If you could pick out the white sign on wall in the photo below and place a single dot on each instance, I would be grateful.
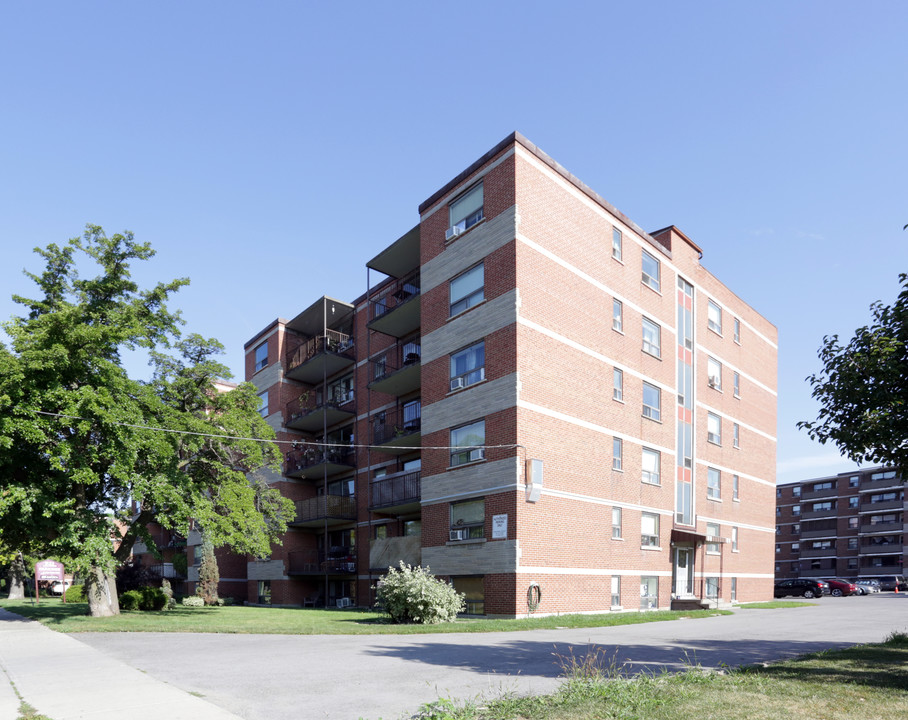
(499, 527)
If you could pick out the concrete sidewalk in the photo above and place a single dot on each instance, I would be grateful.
(65, 679)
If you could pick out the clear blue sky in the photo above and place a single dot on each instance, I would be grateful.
(268, 150)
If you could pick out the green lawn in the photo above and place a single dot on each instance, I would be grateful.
(866, 681)
(73, 618)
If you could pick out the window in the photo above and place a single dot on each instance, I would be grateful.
(713, 484)
(473, 590)
(618, 383)
(650, 271)
(712, 588)
(652, 402)
(852, 543)
(852, 563)
(822, 486)
(465, 211)
(714, 373)
(778, 549)
(714, 428)
(796, 529)
(617, 448)
(712, 531)
(381, 532)
(412, 528)
(734, 589)
(736, 436)
(714, 317)
(796, 547)
(853, 502)
(467, 289)
(852, 523)
(651, 466)
(468, 366)
(735, 483)
(264, 592)
(263, 404)
(616, 591)
(616, 244)
(736, 379)
(737, 331)
(795, 509)
(617, 310)
(821, 545)
(796, 491)
(649, 593)
(853, 481)
(261, 356)
(616, 523)
(470, 437)
(468, 519)
(649, 529)
(734, 540)
(652, 337)
(822, 506)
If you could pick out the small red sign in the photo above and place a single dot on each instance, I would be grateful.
(49, 570)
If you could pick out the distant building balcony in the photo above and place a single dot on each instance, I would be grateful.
(882, 527)
(818, 494)
(395, 494)
(397, 372)
(400, 430)
(397, 311)
(312, 412)
(337, 561)
(879, 505)
(311, 360)
(316, 463)
(324, 509)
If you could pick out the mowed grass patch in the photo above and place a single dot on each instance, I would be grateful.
(776, 604)
(74, 618)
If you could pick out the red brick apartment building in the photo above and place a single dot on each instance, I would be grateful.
(846, 525)
(545, 404)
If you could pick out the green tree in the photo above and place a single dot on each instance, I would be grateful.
(209, 577)
(77, 450)
(863, 389)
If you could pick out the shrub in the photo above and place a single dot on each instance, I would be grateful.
(193, 601)
(134, 576)
(152, 598)
(414, 595)
(76, 594)
(209, 577)
(130, 600)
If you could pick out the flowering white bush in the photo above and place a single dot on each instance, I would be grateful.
(193, 601)
(414, 595)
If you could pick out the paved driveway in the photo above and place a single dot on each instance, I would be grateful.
(261, 677)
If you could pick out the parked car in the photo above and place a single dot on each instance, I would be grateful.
(867, 586)
(804, 587)
(890, 582)
(839, 587)
(58, 588)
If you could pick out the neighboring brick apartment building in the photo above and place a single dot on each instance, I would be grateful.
(534, 397)
(846, 525)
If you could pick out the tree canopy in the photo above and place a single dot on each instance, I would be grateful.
(863, 389)
(83, 445)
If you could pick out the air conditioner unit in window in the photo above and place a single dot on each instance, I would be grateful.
(453, 231)
(458, 535)
(456, 383)
(713, 381)
(477, 454)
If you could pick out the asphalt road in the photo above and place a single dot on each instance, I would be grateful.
(261, 677)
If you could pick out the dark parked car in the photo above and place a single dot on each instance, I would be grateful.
(839, 587)
(891, 582)
(805, 587)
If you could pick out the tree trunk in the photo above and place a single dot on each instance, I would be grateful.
(17, 572)
(101, 591)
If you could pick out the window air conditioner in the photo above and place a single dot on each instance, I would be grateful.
(713, 381)
(477, 454)
(458, 535)
(453, 232)
(456, 383)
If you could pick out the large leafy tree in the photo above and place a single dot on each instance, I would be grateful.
(863, 389)
(83, 445)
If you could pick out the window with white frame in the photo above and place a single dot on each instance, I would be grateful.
(261, 356)
(853, 502)
(263, 403)
(852, 523)
(651, 271)
(465, 211)
(652, 337)
(649, 529)
(618, 385)
(713, 484)
(714, 428)
(734, 589)
(735, 488)
(737, 331)
(734, 539)
(651, 464)
(616, 523)
(467, 289)
(468, 519)
(712, 531)
(852, 543)
(714, 373)
(616, 244)
(736, 435)
(795, 509)
(617, 453)
(714, 317)
(737, 384)
(649, 592)
(652, 402)
(712, 588)
(468, 366)
(796, 547)
(616, 591)
(617, 315)
(471, 438)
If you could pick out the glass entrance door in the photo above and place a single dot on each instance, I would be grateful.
(683, 575)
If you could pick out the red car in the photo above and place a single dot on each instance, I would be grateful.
(841, 588)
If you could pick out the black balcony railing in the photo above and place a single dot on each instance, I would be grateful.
(398, 293)
(341, 507)
(337, 561)
(301, 460)
(395, 490)
(332, 342)
(388, 366)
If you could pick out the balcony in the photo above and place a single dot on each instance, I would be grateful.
(395, 494)
(867, 484)
(338, 561)
(311, 361)
(894, 568)
(890, 548)
(165, 570)
(317, 463)
(896, 504)
(894, 526)
(813, 514)
(819, 494)
(400, 431)
(399, 376)
(397, 311)
(311, 413)
(827, 533)
(818, 552)
(324, 509)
